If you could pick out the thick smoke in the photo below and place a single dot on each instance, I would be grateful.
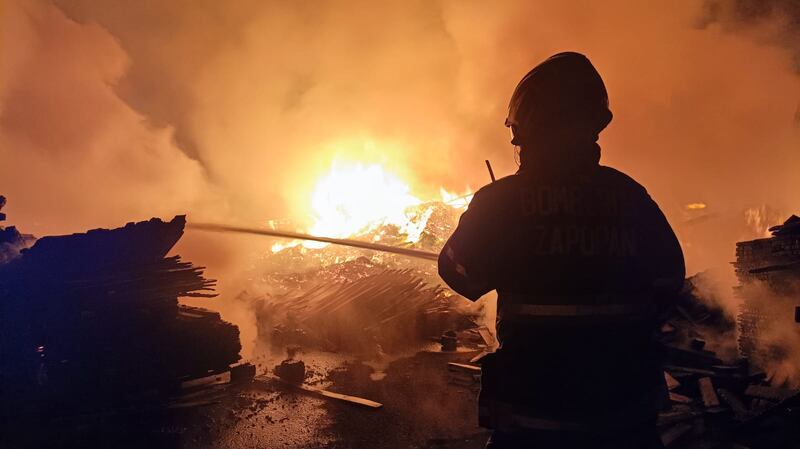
(74, 155)
(772, 21)
(776, 342)
(114, 111)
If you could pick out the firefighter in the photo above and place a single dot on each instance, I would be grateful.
(584, 264)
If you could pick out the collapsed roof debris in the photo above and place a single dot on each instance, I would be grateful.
(93, 319)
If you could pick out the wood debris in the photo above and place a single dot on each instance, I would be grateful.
(95, 317)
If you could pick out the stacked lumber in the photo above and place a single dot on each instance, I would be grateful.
(94, 318)
(768, 271)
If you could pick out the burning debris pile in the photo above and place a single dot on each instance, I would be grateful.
(93, 319)
(344, 299)
(769, 288)
(369, 309)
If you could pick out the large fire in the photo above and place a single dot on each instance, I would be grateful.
(353, 200)
(350, 200)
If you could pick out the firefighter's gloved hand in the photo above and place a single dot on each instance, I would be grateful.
(455, 274)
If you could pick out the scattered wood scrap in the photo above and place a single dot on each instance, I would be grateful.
(707, 392)
(679, 398)
(464, 375)
(323, 393)
(672, 383)
(464, 367)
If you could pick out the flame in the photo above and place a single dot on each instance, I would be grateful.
(459, 201)
(760, 219)
(355, 199)
(280, 246)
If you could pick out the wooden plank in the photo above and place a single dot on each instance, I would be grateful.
(672, 383)
(341, 397)
(679, 398)
(708, 393)
(214, 378)
(328, 394)
(488, 338)
(464, 367)
(687, 370)
(478, 357)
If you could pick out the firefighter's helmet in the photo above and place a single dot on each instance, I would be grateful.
(564, 90)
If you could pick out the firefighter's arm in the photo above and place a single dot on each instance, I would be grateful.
(668, 268)
(465, 260)
(453, 272)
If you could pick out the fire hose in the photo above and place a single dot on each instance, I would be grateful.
(416, 253)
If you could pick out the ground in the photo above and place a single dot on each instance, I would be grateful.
(421, 409)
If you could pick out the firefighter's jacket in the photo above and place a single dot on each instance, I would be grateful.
(584, 263)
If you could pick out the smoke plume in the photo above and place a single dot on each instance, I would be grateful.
(228, 111)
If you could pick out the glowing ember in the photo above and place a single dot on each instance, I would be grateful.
(696, 206)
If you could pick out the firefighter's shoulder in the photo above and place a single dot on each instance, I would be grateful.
(615, 179)
(497, 189)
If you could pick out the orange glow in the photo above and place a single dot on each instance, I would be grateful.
(356, 198)
(459, 201)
